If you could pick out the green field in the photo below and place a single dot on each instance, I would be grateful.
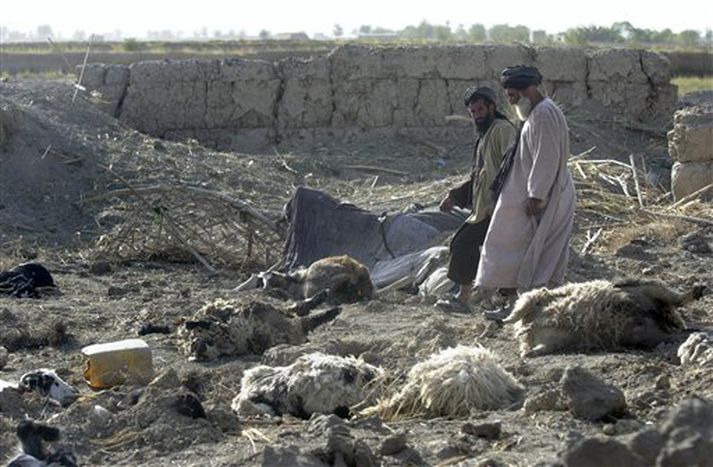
(689, 84)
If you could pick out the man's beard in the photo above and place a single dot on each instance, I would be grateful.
(484, 123)
(523, 108)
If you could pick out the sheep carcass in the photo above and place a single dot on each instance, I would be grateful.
(314, 383)
(598, 315)
(452, 383)
(227, 327)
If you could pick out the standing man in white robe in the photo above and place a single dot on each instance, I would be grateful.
(528, 239)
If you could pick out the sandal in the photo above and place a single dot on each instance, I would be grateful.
(498, 315)
(452, 305)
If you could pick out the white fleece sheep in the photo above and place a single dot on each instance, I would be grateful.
(597, 315)
(454, 382)
(314, 383)
(697, 349)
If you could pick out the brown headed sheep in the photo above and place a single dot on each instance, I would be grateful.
(342, 278)
(598, 315)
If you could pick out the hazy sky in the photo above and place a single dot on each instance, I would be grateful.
(135, 17)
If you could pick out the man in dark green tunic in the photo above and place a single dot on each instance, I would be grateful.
(494, 135)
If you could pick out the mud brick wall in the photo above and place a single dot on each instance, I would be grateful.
(249, 104)
(690, 145)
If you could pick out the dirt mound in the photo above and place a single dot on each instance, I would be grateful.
(64, 165)
(50, 149)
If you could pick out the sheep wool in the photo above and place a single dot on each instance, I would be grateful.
(314, 383)
(597, 315)
(453, 382)
(697, 349)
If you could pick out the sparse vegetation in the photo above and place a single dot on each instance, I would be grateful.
(689, 84)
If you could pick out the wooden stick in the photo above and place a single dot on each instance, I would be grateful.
(582, 154)
(170, 225)
(695, 220)
(690, 197)
(581, 172)
(233, 202)
(371, 168)
(591, 239)
(78, 86)
(604, 161)
(636, 180)
(404, 281)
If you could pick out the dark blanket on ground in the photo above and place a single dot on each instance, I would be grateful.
(321, 226)
(23, 280)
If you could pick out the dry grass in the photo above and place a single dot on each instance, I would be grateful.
(689, 84)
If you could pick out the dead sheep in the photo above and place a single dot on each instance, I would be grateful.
(227, 328)
(314, 383)
(341, 278)
(454, 382)
(32, 436)
(697, 349)
(598, 315)
(46, 383)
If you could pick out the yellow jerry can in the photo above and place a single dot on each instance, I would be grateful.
(122, 362)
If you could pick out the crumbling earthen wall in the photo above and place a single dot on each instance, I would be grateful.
(690, 145)
(247, 104)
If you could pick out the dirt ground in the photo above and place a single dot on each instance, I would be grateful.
(67, 207)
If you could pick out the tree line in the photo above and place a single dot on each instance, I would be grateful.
(619, 33)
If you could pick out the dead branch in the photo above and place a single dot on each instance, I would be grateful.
(371, 168)
(693, 196)
(636, 180)
(169, 222)
(694, 220)
(590, 240)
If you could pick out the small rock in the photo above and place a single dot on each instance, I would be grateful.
(590, 398)
(596, 452)
(663, 383)
(393, 444)
(4, 357)
(224, 419)
(99, 419)
(321, 424)
(633, 251)
(449, 450)
(488, 430)
(695, 242)
(627, 425)
(646, 444)
(372, 423)
(114, 291)
(100, 268)
(291, 455)
(489, 462)
(609, 429)
(547, 400)
(684, 437)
